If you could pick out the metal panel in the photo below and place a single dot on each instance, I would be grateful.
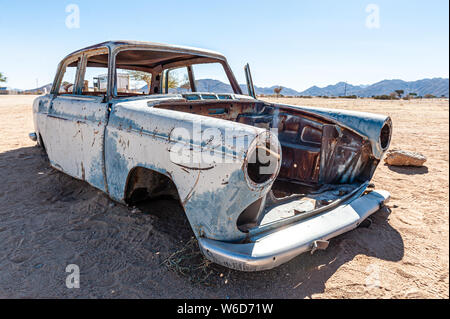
(282, 245)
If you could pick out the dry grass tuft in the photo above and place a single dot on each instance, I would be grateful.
(189, 262)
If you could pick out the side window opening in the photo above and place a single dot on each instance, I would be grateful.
(134, 74)
(67, 84)
(95, 81)
(176, 80)
(130, 82)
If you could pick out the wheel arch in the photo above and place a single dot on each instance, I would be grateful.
(145, 183)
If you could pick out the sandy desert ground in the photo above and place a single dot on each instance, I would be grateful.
(49, 220)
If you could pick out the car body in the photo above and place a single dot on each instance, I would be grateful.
(259, 182)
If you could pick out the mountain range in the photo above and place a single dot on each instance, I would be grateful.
(436, 86)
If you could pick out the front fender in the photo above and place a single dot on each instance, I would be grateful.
(213, 194)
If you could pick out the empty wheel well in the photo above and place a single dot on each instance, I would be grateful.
(144, 183)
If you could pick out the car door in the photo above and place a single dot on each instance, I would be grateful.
(76, 124)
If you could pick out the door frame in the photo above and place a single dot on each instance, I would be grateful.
(76, 94)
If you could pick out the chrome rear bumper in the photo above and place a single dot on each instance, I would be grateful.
(281, 245)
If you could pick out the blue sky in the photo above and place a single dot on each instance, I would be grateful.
(295, 44)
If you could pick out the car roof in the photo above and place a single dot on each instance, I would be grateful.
(127, 44)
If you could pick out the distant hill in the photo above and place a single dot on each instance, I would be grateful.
(269, 90)
(209, 85)
(44, 88)
(437, 87)
(338, 89)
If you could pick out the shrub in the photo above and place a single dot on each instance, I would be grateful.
(384, 97)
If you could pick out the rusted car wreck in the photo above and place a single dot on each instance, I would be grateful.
(260, 183)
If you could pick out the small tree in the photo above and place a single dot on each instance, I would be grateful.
(393, 95)
(66, 86)
(411, 95)
(173, 82)
(399, 93)
(2, 78)
(278, 90)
